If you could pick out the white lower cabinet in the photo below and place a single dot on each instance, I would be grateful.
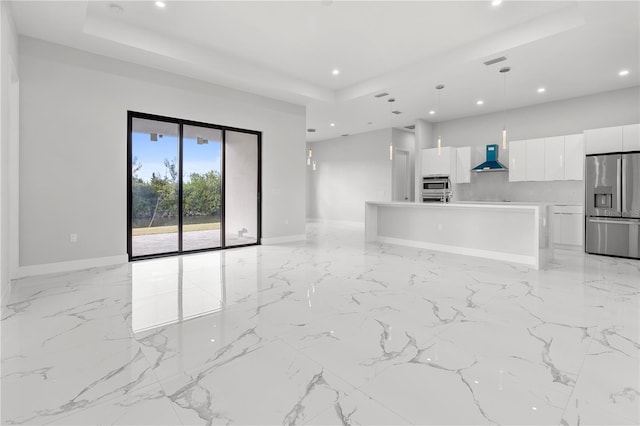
(568, 225)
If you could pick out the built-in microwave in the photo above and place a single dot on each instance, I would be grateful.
(436, 189)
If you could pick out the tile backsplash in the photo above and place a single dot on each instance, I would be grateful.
(495, 186)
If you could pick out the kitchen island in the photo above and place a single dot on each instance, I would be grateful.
(508, 232)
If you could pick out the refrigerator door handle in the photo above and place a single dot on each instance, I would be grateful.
(616, 222)
(624, 181)
(619, 186)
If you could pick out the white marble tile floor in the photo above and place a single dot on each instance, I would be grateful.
(331, 331)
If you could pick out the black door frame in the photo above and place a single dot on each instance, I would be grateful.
(181, 123)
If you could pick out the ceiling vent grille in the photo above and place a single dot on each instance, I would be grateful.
(381, 95)
(397, 112)
(495, 60)
(311, 130)
(412, 127)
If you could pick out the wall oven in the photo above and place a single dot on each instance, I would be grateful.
(436, 189)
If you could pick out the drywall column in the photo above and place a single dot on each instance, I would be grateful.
(8, 148)
(424, 140)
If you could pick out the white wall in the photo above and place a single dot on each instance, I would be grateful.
(241, 156)
(73, 148)
(8, 111)
(350, 170)
(549, 119)
(565, 117)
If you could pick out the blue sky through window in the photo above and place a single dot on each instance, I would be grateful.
(151, 154)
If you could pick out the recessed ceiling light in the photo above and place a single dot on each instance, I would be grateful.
(480, 102)
(335, 71)
(332, 124)
(623, 73)
(496, 2)
(432, 112)
(160, 4)
(541, 89)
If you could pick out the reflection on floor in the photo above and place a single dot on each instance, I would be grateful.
(331, 331)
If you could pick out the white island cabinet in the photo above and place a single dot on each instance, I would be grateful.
(510, 233)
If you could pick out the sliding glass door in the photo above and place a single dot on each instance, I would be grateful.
(201, 187)
(192, 186)
(154, 187)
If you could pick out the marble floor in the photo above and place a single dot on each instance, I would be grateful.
(326, 332)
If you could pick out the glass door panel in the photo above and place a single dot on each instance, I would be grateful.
(201, 187)
(154, 187)
(241, 188)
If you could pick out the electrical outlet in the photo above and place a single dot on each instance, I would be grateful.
(440, 227)
(286, 221)
(73, 238)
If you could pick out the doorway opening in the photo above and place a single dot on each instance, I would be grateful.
(191, 186)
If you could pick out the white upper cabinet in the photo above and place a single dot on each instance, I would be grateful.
(547, 159)
(600, 141)
(554, 158)
(438, 163)
(631, 137)
(573, 157)
(463, 164)
(535, 159)
(517, 161)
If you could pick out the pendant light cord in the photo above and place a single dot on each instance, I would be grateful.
(504, 103)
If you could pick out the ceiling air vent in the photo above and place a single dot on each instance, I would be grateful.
(397, 112)
(346, 134)
(311, 130)
(412, 127)
(381, 95)
(495, 60)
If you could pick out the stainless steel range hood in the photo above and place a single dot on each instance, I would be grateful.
(491, 164)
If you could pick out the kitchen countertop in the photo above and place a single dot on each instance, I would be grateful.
(459, 204)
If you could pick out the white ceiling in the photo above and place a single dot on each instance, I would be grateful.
(287, 50)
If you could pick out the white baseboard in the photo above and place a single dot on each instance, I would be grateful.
(530, 261)
(336, 222)
(6, 292)
(282, 240)
(74, 265)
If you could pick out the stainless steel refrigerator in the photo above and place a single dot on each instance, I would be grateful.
(612, 205)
